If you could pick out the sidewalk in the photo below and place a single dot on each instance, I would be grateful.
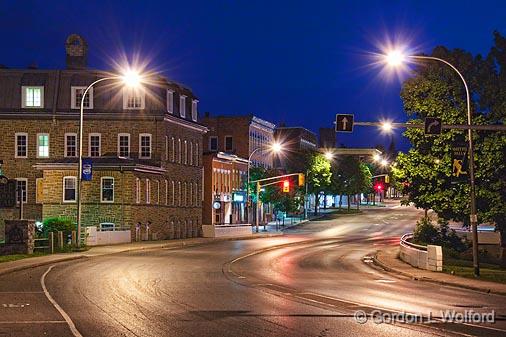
(273, 227)
(32, 262)
(388, 260)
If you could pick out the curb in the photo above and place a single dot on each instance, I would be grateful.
(162, 246)
(431, 280)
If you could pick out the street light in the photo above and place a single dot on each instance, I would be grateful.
(384, 162)
(328, 155)
(274, 148)
(386, 126)
(395, 58)
(376, 157)
(131, 79)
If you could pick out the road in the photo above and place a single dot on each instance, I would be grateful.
(310, 282)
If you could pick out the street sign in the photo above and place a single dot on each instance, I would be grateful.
(433, 126)
(344, 123)
(7, 192)
(459, 161)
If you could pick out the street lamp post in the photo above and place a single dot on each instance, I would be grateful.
(129, 78)
(276, 148)
(395, 58)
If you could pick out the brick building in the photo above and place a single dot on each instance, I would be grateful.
(239, 135)
(224, 189)
(296, 141)
(145, 146)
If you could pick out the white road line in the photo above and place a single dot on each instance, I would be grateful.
(62, 312)
(32, 322)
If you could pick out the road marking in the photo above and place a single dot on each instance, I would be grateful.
(62, 312)
(15, 305)
(32, 322)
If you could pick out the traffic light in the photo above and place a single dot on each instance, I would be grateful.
(286, 186)
(301, 179)
(378, 187)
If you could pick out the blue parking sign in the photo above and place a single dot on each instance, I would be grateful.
(87, 169)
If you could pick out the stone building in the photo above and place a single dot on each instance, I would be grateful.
(145, 146)
(224, 189)
(239, 135)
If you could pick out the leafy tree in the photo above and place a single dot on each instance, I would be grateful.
(436, 90)
(318, 175)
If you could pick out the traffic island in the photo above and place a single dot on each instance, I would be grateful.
(388, 259)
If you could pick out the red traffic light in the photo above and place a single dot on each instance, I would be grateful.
(378, 187)
(286, 186)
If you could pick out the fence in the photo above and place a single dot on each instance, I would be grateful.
(428, 257)
(55, 241)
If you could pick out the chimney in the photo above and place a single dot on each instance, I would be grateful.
(77, 52)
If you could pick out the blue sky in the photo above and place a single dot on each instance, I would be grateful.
(297, 62)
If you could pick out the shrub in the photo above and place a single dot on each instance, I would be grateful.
(57, 224)
(427, 233)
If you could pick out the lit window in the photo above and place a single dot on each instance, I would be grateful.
(107, 189)
(133, 98)
(137, 190)
(94, 144)
(77, 95)
(148, 191)
(194, 110)
(170, 101)
(43, 145)
(33, 97)
(21, 145)
(182, 106)
(213, 143)
(70, 145)
(21, 184)
(145, 146)
(69, 189)
(124, 145)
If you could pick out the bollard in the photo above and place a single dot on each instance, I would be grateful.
(51, 242)
(60, 240)
(73, 238)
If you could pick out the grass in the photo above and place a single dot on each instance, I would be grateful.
(464, 268)
(9, 258)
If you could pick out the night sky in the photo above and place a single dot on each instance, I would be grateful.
(296, 62)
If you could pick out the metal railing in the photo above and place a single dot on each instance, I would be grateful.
(406, 243)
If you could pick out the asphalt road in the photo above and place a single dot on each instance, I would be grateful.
(310, 282)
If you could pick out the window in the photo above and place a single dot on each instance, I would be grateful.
(172, 150)
(94, 145)
(170, 101)
(166, 192)
(194, 110)
(70, 145)
(137, 190)
(133, 98)
(182, 106)
(197, 154)
(213, 143)
(76, 96)
(21, 140)
(190, 201)
(166, 148)
(179, 150)
(69, 189)
(145, 146)
(42, 145)
(196, 194)
(229, 143)
(148, 191)
(32, 97)
(107, 189)
(124, 145)
(185, 152)
(157, 192)
(179, 193)
(22, 184)
(191, 153)
(173, 192)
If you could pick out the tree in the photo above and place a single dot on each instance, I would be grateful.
(318, 175)
(437, 91)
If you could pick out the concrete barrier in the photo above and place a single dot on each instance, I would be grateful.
(97, 238)
(424, 257)
(211, 231)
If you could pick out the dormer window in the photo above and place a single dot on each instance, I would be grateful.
(32, 97)
(133, 99)
(194, 110)
(170, 101)
(182, 106)
(77, 95)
